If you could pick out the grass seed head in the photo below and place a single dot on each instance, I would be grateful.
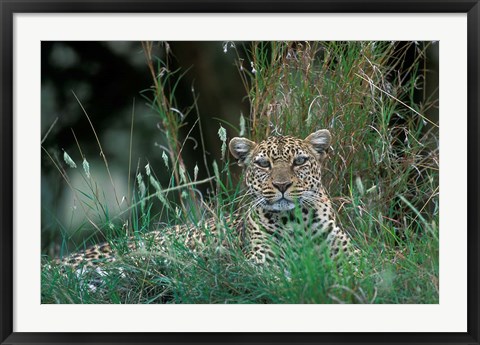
(86, 168)
(222, 133)
(69, 160)
(165, 159)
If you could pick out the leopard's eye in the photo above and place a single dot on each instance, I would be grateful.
(300, 160)
(263, 163)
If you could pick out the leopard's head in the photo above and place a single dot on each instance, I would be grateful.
(283, 171)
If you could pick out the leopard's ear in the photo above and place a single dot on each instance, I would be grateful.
(320, 142)
(241, 148)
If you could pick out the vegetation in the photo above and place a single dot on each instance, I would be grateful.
(381, 174)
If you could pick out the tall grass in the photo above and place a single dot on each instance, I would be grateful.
(381, 174)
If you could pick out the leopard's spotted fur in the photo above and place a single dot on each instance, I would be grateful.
(283, 179)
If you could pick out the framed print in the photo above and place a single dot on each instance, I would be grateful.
(246, 172)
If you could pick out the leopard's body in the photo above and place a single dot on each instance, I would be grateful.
(285, 192)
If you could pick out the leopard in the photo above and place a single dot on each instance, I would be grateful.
(283, 182)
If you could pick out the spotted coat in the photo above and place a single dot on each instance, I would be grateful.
(285, 192)
(283, 175)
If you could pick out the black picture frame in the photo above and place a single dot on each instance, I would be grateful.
(9, 8)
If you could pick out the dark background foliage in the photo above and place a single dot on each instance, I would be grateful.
(109, 79)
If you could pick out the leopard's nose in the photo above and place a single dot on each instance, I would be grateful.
(282, 186)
